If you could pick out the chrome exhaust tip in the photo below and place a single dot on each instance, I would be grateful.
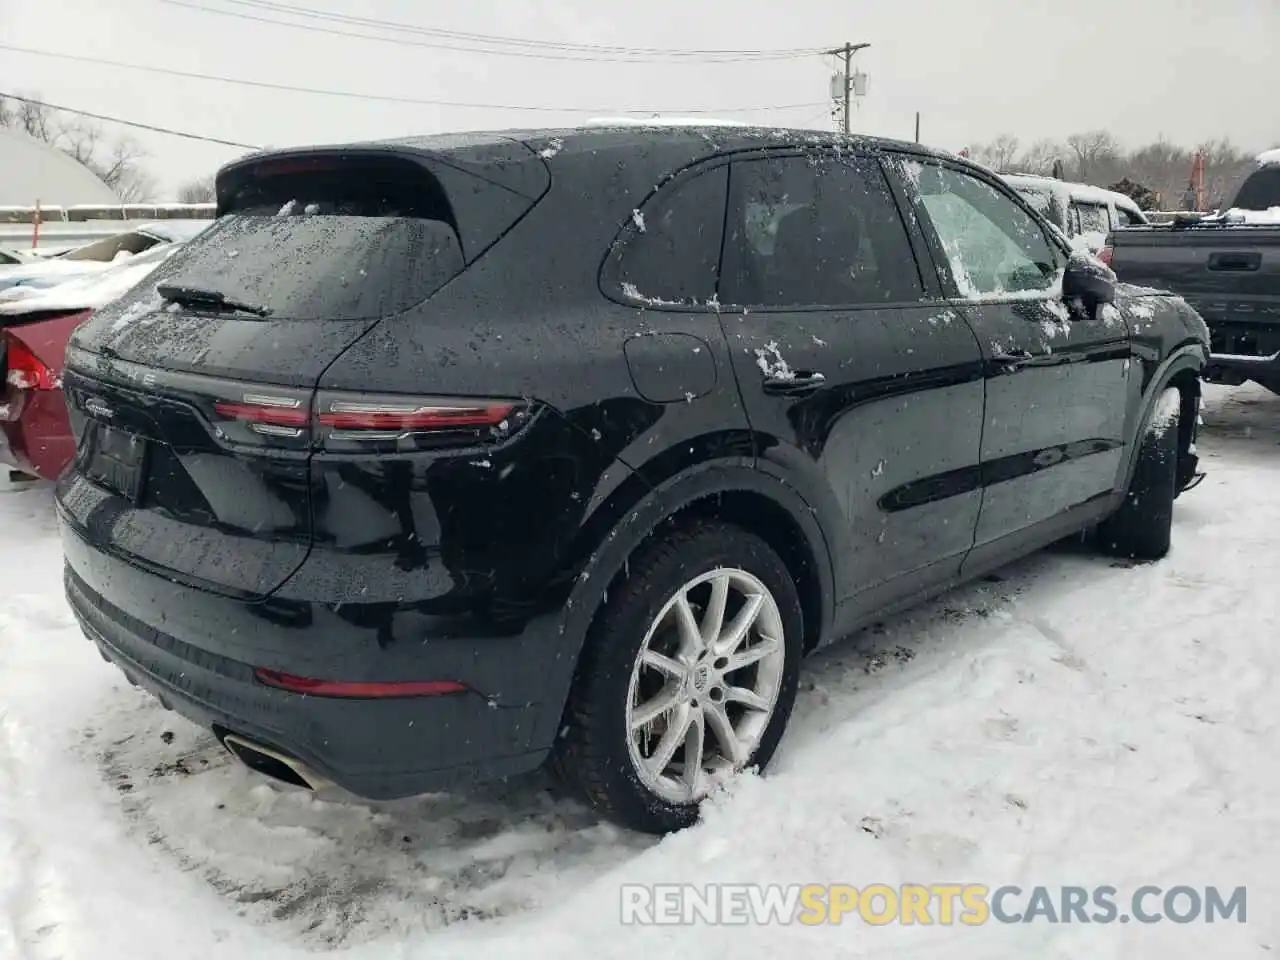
(274, 764)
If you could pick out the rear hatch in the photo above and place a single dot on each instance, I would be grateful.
(191, 397)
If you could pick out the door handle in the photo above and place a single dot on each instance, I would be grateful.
(800, 384)
(1236, 261)
(1011, 361)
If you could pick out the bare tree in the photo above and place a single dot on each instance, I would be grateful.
(1156, 174)
(1041, 156)
(116, 160)
(1096, 154)
(1000, 154)
(198, 191)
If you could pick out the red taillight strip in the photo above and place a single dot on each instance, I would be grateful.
(367, 418)
(370, 689)
(343, 415)
(278, 411)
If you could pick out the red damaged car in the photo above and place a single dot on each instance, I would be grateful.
(35, 324)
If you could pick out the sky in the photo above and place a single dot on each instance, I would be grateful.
(1188, 70)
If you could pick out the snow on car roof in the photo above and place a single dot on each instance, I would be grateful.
(1268, 157)
(665, 122)
(173, 231)
(1078, 191)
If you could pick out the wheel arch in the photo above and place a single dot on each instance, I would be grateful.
(731, 489)
(1181, 371)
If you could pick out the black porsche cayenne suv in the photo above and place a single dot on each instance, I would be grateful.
(438, 459)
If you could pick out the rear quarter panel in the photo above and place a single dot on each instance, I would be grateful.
(528, 319)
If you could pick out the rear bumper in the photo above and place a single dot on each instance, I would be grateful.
(1242, 344)
(158, 633)
(1236, 368)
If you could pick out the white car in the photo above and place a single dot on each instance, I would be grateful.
(96, 257)
(1083, 213)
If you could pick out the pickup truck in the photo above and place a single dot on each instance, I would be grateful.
(1226, 266)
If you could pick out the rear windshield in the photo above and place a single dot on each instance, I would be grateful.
(1261, 191)
(348, 240)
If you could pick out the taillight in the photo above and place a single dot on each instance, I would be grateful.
(350, 422)
(361, 415)
(361, 422)
(1106, 255)
(258, 418)
(26, 371)
(261, 411)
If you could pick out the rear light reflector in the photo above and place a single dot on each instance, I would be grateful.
(1106, 255)
(26, 370)
(368, 689)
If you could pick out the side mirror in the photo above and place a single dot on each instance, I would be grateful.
(1090, 281)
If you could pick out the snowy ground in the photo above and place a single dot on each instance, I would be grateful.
(1074, 722)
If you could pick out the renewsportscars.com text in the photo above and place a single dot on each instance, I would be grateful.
(968, 904)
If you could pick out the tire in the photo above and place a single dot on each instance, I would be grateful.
(598, 758)
(1142, 528)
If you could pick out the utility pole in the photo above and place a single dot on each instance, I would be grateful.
(846, 54)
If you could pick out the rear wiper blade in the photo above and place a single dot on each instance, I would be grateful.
(200, 297)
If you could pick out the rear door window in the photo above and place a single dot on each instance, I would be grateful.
(670, 251)
(344, 241)
(1127, 218)
(1093, 218)
(816, 230)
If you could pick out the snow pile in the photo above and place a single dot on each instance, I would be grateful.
(1268, 157)
(1268, 217)
(1070, 721)
(772, 365)
(139, 309)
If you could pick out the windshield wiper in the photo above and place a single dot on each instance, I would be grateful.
(200, 297)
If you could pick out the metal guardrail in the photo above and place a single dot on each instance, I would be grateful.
(117, 212)
(63, 227)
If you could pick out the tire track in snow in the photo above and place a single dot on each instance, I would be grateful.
(336, 872)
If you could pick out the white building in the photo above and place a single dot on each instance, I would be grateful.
(33, 172)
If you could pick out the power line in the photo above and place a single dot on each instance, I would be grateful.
(275, 6)
(128, 123)
(626, 55)
(387, 98)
